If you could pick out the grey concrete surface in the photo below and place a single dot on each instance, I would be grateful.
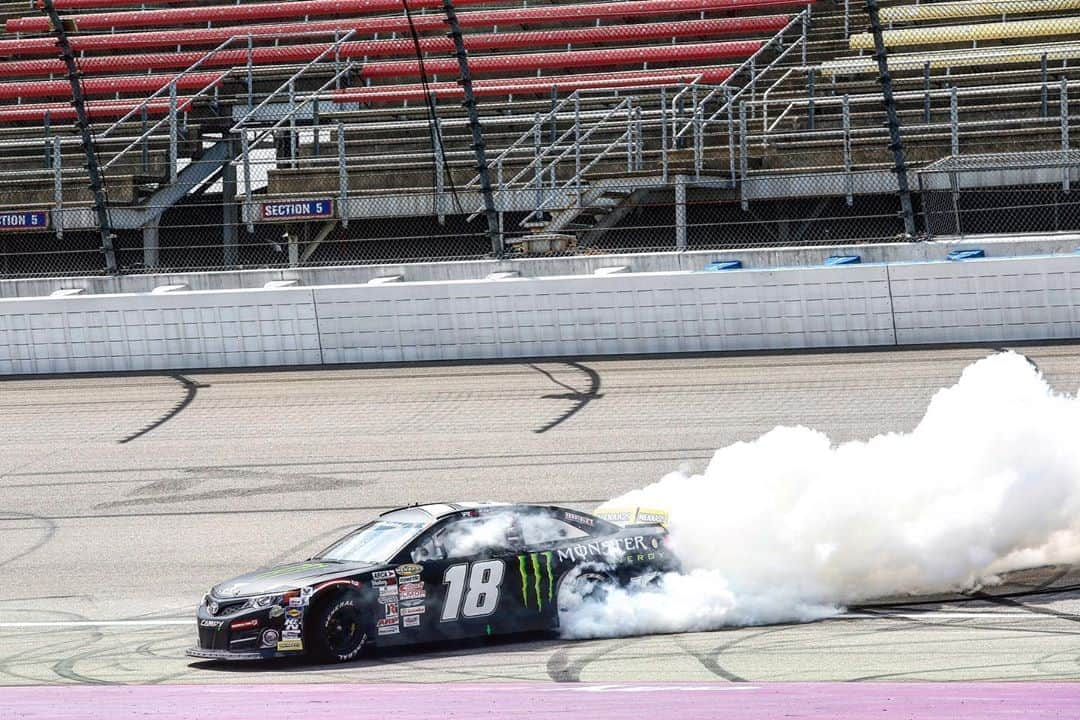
(122, 499)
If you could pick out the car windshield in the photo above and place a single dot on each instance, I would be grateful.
(376, 542)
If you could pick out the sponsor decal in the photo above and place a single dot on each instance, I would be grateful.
(412, 591)
(297, 209)
(383, 574)
(292, 623)
(577, 519)
(411, 621)
(244, 624)
(213, 607)
(293, 612)
(412, 602)
(306, 592)
(602, 548)
(406, 579)
(391, 609)
(390, 591)
(32, 220)
(229, 591)
(386, 622)
(409, 570)
(619, 517)
(290, 634)
(277, 611)
(296, 602)
(378, 583)
(211, 623)
(290, 645)
(414, 610)
(534, 568)
(389, 630)
(648, 515)
(270, 637)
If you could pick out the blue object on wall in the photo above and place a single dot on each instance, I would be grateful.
(717, 265)
(965, 254)
(843, 260)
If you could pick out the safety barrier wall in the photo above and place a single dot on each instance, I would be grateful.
(788, 308)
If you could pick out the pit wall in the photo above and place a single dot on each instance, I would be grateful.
(904, 303)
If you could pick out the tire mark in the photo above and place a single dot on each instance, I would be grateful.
(579, 398)
(710, 660)
(49, 527)
(562, 668)
(191, 388)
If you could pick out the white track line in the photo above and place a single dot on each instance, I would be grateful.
(92, 623)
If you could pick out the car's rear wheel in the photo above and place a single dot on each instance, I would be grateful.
(582, 586)
(339, 631)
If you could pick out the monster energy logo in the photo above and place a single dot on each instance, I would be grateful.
(536, 565)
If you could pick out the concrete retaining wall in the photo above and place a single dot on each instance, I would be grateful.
(847, 306)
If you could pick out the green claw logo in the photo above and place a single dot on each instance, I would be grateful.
(531, 565)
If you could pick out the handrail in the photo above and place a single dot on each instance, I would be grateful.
(542, 169)
(335, 46)
(145, 103)
(170, 118)
(297, 106)
(750, 62)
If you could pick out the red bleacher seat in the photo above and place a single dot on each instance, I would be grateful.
(255, 12)
(533, 86)
(215, 36)
(129, 84)
(96, 109)
(291, 54)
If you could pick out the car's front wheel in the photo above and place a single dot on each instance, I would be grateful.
(339, 631)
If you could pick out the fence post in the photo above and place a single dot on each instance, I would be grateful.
(663, 136)
(680, 213)
(245, 151)
(810, 98)
(58, 187)
(1065, 180)
(1045, 98)
(440, 170)
(848, 181)
(174, 151)
(577, 150)
(343, 178)
(954, 120)
(538, 176)
(730, 134)
(926, 92)
(744, 162)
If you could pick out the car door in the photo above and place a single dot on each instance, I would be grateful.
(467, 565)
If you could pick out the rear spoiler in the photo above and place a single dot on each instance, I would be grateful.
(626, 516)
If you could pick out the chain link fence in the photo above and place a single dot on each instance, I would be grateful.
(241, 158)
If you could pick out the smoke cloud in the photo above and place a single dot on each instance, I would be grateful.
(792, 527)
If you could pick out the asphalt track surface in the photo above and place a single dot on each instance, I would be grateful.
(122, 499)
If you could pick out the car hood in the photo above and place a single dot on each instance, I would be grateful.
(288, 577)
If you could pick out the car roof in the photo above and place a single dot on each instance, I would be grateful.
(430, 513)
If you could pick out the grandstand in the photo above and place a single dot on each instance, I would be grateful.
(311, 132)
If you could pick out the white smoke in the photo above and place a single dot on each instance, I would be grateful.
(790, 527)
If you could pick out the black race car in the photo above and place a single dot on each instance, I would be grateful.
(431, 572)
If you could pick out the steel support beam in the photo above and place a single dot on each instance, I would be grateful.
(82, 122)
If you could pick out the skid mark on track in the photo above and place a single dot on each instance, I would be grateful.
(580, 398)
(191, 388)
(561, 667)
(47, 527)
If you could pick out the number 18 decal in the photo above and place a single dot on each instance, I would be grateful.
(472, 590)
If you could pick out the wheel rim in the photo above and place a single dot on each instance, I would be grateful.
(343, 630)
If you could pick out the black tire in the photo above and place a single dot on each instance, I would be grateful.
(339, 629)
(584, 584)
